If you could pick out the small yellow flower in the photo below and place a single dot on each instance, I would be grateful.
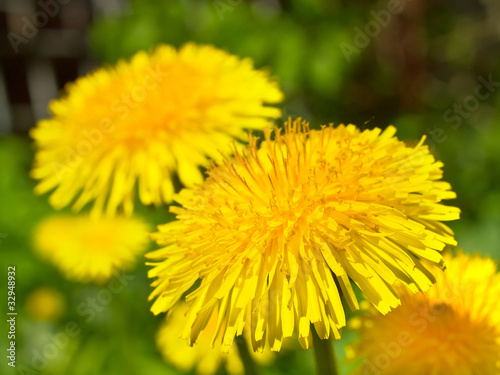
(454, 329)
(46, 304)
(135, 125)
(204, 357)
(275, 230)
(91, 249)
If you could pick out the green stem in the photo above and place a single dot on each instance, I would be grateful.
(248, 362)
(324, 355)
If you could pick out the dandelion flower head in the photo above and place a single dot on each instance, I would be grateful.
(452, 329)
(136, 125)
(275, 229)
(91, 249)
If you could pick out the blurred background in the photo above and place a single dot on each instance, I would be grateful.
(428, 67)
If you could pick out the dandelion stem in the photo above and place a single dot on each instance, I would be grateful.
(324, 355)
(248, 362)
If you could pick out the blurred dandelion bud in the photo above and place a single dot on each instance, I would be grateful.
(45, 304)
(204, 357)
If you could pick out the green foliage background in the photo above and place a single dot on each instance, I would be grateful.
(422, 63)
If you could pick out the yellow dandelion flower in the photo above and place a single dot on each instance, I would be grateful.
(135, 125)
(202, 357)
(274, 230)
(46, 304)
(453, 329)
(91, 249)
